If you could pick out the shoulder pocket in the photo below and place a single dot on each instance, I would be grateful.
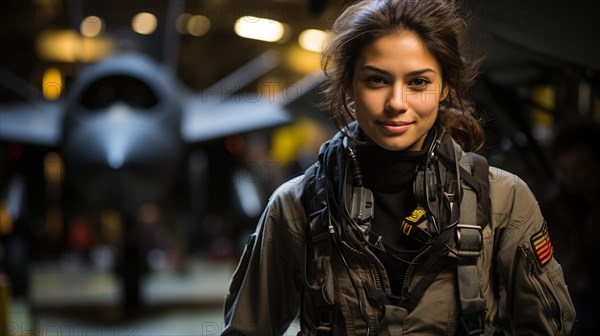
(558, 286)
(551, 290)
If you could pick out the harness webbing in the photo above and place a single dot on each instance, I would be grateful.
(469, 243)
(473, 170)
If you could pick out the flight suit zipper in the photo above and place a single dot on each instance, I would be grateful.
(410, 269)
(374, 270)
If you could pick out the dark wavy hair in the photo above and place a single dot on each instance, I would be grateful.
(438, 24)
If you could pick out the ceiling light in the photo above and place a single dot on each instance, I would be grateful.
(181, 23)
(69, 46)
(144, 23)
(198, 25)
(312, 39)
(91, 26)
(52, 84)
(262, 29)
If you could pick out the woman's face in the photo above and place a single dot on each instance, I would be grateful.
(396, 87)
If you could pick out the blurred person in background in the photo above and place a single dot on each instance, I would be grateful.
(573, 216)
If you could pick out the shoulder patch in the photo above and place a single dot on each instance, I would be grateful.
(541, 245)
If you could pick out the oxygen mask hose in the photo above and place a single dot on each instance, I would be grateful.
(363, 203)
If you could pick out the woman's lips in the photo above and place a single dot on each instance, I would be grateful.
(394, 127)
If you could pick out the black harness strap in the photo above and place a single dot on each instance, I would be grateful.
(318, 271)
(473, 172)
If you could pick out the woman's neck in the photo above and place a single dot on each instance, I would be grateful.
(386, 170)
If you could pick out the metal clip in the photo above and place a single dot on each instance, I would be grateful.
(469, 240)
(362, 205)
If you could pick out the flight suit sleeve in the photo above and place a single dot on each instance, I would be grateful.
(263, 293)
(538, 301)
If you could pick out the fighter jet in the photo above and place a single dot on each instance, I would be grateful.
(128, 114)
(126, 127)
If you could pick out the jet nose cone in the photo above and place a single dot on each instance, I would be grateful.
(122, 158)
(115, 160)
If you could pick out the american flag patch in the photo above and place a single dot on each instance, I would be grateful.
(540, 242)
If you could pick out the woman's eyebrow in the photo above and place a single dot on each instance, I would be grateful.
(375, 69)
(412, 73)
(420, 72)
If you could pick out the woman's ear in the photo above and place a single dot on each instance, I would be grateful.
(444, 92)
(350, 91)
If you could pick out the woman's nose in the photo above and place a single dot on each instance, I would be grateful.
(397, 102)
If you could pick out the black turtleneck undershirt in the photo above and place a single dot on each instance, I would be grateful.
(390, 175)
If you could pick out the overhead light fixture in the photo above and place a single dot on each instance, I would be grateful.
(195, 25)
(144, 23)
(257, 28)
(69, 46)
(61, 45)
(312, 39)
(198, 25)
(181, 23)
(52, 84)
(91, 26)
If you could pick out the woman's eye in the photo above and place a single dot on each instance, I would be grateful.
(419, 82)
(375, 80)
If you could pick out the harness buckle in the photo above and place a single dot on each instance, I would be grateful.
(469, 240)
(473, 324)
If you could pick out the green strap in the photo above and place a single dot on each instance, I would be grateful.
(469, 243)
